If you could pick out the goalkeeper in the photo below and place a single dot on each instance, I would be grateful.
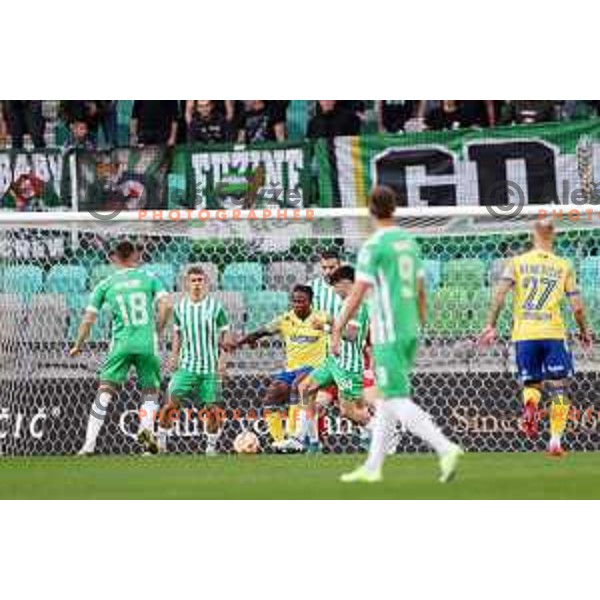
(129, 293)
(540, 280)
(305, 332)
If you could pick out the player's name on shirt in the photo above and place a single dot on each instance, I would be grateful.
(539, 269)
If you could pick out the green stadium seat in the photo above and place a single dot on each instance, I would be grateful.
(165, 272)
(433, 274)
(465, 273)
(67, 279)
(450, 313)
(262, 307)
(589, 274)
(25, 281)
(100, 330)
(242, 277)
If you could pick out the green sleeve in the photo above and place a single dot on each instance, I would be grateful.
(366, 266)
(97, 297)
(221, 319)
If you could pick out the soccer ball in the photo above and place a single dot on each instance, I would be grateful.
(246, 443)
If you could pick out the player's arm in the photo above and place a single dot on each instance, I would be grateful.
(175, 348)
(164, 313)
(253, 337)
(421, 300)
(506, 284)
(576, 302)
(89, 318)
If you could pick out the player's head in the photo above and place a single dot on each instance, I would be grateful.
(125, 254)
(329, 261)
(543, 233)
(195, 280)
(302, 296)
(342, 280)
(382, 202)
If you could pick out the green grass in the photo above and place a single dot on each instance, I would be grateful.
(482, 476)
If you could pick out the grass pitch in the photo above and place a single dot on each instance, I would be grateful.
(481, 476)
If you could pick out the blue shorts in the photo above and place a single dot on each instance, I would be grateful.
(538, 360)
(288, 377)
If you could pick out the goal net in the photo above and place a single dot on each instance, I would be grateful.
(50, 262)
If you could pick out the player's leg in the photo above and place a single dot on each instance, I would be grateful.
(213, 423)
(529, 359)
(112, 375)
(308, 433)
(393, 364)
(148, 371)
(181, 386)
(558, 367)
(276, 398)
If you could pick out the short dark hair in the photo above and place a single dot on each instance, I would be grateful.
(303, 289)
(123, 250)
(345, 272)
(382, 202)
(329, 254)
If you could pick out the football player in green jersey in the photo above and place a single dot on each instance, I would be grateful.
(200, 344)
(130, 294)
(389, 266)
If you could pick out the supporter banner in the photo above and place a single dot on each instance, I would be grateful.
(32, 180)
(124, 178)
(234, 176)
(531, 164)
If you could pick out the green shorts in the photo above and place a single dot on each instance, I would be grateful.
(197, 387)
(349, 384)
(118, 362)
(393, 366)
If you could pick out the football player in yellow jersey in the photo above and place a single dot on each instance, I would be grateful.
(304, 332)
(540, 280)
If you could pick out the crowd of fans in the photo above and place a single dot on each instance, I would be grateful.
(90, 123)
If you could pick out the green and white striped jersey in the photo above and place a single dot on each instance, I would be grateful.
(199, 325)
(325, 298)
(390, 261)
(351, 352)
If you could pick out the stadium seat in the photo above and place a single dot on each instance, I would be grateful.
(100, 330)
(450, 313)
(589, 272)
(12, 316)
(433, 274)
(242, 277)
(47, 318)
(465, 273)
(282, 276)
(99, 273)
(233, 303)
(262, 307)
(67, 279)
(24, 281)
(164, 271)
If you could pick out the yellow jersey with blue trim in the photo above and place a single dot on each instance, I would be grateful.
(541, 280)
(305, 339)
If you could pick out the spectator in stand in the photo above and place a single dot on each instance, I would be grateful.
(3, 131)
(454, 114)
(205, 124)
(81, 118)
(333, 120)
(107, 121)
(262, 121)
(154, 122)
(522, 112)
(25, 116)
(392, 115)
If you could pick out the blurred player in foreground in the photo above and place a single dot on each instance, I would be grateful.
(304, 331)
(130, 294)
(540, 280)
(200, 335)
(389, 266)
